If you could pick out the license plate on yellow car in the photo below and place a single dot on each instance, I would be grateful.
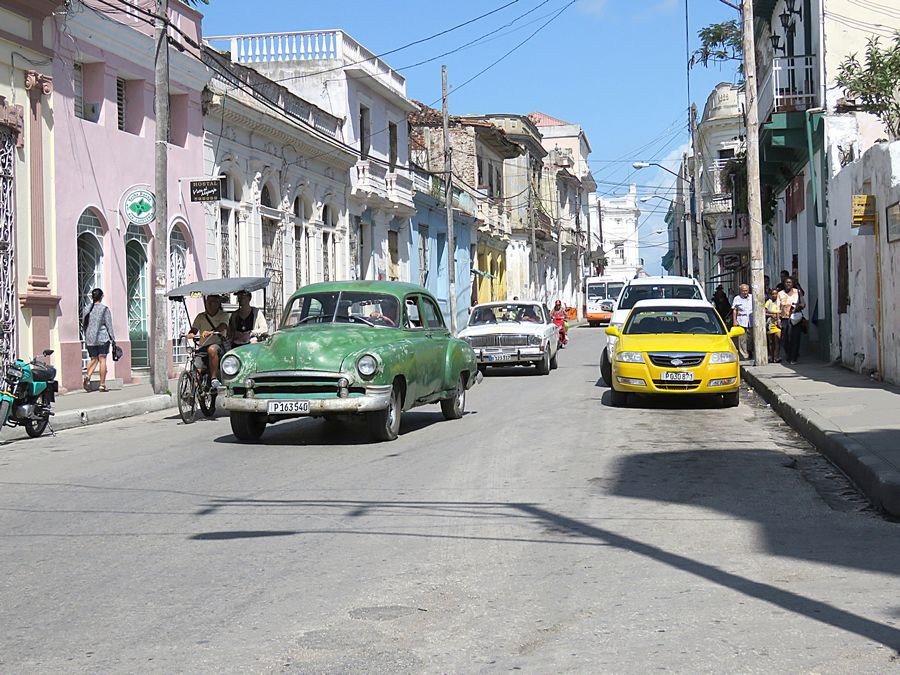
(288, 407)
(677, 376)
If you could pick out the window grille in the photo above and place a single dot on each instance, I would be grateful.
(120, 103)
(78, 70)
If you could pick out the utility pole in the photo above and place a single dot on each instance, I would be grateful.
(754, 202)
(533, 256)
(559, 238)
(698, 220)
(688, 236)
(159, 373)
(448, 199)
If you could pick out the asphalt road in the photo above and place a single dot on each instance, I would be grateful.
(544, 532)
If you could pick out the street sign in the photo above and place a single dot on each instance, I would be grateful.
(139, 205)
(863, 211)
(206, 190)
(731, 261)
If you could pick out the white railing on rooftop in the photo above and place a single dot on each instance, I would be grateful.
(789, 85)
(323, 45)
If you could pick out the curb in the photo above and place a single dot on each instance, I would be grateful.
(82, 417)
(877, 479)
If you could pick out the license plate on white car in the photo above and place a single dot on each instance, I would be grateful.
(500, 357)
(677, 376)
(288, 407)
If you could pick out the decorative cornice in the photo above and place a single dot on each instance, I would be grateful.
(35, 81)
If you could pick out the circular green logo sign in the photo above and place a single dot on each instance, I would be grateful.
(139, 206)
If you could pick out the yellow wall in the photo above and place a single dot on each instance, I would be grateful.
(493, 261)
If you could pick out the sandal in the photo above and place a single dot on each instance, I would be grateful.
(102, 387)
(86, 383)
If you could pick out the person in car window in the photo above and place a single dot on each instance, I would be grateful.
(530, 314)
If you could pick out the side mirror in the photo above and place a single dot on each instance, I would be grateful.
(614, 331)
(737, 331)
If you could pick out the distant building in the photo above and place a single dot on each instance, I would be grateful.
(621, 238)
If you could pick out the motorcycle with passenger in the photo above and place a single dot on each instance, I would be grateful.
(559, 320)
(27, 394)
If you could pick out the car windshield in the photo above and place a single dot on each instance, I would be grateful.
(511, 312)
(603, 290)
(359, 307)
(635, 292)
(675, 320)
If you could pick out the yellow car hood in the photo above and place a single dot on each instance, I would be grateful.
(675, 343)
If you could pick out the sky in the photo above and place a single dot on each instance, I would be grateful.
(617, 67)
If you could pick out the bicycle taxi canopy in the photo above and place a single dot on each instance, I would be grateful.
(198, 289)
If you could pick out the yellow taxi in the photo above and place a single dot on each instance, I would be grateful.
(675, 347)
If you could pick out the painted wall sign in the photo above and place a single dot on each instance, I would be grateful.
(206, 190)
(893, 222)
(139, 205)
(863, 210)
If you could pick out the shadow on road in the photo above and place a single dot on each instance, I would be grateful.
(550, 527)
(663, 401)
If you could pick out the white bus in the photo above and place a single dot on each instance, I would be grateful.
(600, 296)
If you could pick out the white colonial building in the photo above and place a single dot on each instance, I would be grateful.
(340, 76)
(283, 211)
(619, 217)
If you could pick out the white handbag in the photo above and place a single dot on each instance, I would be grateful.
(796, 318)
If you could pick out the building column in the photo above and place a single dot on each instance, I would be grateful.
(37, 297)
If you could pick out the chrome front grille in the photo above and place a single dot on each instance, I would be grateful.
(687, 359)
(668, 385)
(500, 340)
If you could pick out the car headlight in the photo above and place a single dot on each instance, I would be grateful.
(606, 306)
(367, 365)
(722, 357)
(231, 364)
(535, 340)
(630, 357)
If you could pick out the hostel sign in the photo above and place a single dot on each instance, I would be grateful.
(863, 210)
(206, 190)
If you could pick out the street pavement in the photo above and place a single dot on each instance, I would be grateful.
(544, 532)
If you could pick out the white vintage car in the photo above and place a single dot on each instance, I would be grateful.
(513, 333)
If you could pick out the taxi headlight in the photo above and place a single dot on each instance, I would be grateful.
(722, 357)
(630, 357)
(231, 364)
(367, 365)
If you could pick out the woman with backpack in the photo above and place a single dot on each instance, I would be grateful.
(96, 327)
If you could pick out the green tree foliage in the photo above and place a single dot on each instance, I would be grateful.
(875, 83)
(719, 43)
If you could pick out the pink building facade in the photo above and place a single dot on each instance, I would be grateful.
(104, 155)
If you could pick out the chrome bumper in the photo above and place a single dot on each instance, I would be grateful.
(509, 355)
(376, 398)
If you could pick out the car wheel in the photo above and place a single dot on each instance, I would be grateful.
(731, 399)
(554, 360)
(543, 366)
(454, 408)
(606, 369)
(384, 425)
(247, 426)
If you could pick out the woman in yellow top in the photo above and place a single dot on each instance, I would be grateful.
(773, 325)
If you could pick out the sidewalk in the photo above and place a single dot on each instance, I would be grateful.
(852, 419)
(81, 408)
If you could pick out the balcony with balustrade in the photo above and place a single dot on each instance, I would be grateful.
(330, 48)
(788, 90)
(715, 188)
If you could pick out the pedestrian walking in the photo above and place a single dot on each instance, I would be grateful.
(790, 306)
(723, 307)
(97, 329)
(742, 315)
(773, 326)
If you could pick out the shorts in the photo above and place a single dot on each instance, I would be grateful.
(98, 350)
(219, 348)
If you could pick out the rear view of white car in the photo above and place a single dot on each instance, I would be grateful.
(646, 288)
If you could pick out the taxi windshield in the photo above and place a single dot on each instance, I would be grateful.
(511, 312)
(371, 309)
(674, 321)
(635, 292)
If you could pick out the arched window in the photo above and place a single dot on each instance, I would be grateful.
(137, 295)
(265, 197)
(301, 263)
(229, 250)
(89, 244)
(178, 258)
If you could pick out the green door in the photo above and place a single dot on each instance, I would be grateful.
(438, 339)
(138, 309)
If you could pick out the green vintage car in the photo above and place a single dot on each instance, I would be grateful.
(374, 348)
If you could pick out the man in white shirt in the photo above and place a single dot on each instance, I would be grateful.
(742, 315)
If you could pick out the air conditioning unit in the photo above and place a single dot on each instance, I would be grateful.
(92, 112)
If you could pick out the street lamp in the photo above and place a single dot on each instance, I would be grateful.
(688, 244)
